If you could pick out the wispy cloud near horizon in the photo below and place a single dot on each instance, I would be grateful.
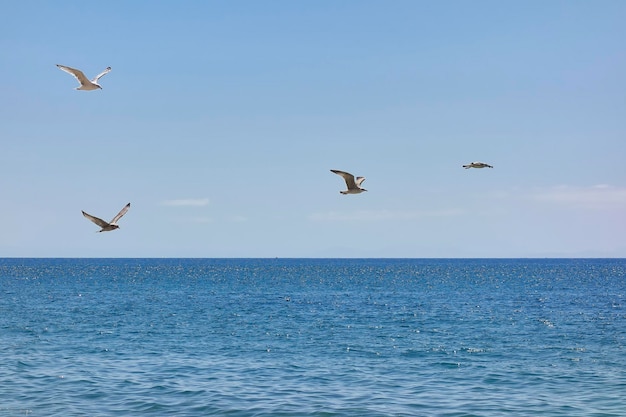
(381, 215)
(186, 202)
(601, 196)
(193, 220)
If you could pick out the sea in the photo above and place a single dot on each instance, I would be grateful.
(313, 337)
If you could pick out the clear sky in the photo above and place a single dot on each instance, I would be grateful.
(221, 120)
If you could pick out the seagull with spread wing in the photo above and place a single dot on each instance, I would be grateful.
(353, 184)
(85, 84)
(477, 165)
(112, 225)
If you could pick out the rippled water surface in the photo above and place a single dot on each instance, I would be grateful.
(306, 337)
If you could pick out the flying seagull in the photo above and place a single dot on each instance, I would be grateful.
(85, 84)
(354, 185)
(477, 165)
(112, 225)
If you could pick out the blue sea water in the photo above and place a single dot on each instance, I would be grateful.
(313, 337)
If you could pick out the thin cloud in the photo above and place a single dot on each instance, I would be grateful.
(188, 202)
(238, 219)
(382, 215)
(201, 220)
(599, 196)
(195, 220)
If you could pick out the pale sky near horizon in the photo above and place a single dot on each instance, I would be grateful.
(220, 122)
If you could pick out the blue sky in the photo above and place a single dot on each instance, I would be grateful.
(220, 122)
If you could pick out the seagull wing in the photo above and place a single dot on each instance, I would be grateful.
(96, 220)
(359, 180)
(78, 74)
(105, 72)
(120, 214)
(349, 178)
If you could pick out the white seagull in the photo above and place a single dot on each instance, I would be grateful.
(354, 185)
(112, 225)
(85, 84)
(477, 165)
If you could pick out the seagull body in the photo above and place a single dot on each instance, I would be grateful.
(85, 84)
(477, 165)
(353, 184)
(112, 225)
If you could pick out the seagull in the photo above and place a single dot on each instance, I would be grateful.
(354, 185)
(112, 225)
(477, 165)
(85, 84)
